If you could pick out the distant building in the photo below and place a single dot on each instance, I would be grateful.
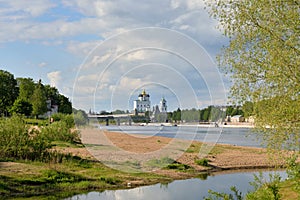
(159, 113)
(237, 118)
(142, 104)
(163, 105)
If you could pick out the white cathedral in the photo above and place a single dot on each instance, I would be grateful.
(143, 104)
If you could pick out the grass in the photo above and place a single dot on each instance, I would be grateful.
(159, 163)
(76, 175)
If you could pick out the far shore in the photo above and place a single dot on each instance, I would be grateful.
(204, 125)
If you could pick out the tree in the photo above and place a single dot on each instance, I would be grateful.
(64, 105)
(39, 104)
(263, 59)
(177, 115)
(247, 109)
(21, 106)
(8, 91)
(52, 94)
(26, 88)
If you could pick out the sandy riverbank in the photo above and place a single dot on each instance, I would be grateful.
(121, 151)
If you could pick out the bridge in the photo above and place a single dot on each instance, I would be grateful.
(117, 117)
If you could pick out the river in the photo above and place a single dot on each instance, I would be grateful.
(223, 135)
(189, 189)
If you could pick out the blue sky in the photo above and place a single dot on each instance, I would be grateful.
(59, 40)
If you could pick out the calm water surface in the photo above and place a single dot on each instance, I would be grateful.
(181, 189)
(235, 136)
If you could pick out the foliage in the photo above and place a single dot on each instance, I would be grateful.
(64, 105)
(26, 88)
(178, 166)
(191, 115)
(39, 104)
(265, 190)
(59, 131)
(202, 162)
(205, 113)
(68, 119)
(160, 162)
(216, 195)
(80, 117)
(18, 141)
(9, 91)
(263, 59)
(177, 115)
(21, 106)
(293, 171)
(247, 109)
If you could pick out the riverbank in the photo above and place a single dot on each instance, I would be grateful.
(141, 149)
(84, 172)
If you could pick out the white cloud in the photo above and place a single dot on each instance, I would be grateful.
(137, 55)
(20, 9)
(90, 19)
(42, 64)
(54, 78)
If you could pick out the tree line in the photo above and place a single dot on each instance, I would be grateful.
(27, 97)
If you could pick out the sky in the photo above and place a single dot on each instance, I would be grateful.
(103, 53)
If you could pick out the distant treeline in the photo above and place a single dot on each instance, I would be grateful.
(211, 113)
(27, 97)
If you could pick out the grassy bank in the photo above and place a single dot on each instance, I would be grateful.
(58, 180)
(41, 162)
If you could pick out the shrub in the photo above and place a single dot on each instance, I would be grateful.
(18, 141)
(67, 118)
(202, 162)
(178, 166)
(60, 131)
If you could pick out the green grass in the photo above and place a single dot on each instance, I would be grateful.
(160, 163)
(76, 175)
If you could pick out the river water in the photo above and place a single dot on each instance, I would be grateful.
(189, 189)
(196, 188)
(223, 135)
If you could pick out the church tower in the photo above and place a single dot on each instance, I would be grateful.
(142, 104)
(163, 105)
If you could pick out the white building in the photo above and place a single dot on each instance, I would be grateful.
(142, 104)
(163, 105)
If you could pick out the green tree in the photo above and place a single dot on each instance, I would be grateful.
(263, 59)
(26, 88)
(52, 94)
(229, 110)
(39, 104)
(21, 106)
(64, 105)
(247, 109)
(177, 115)
(8, 91)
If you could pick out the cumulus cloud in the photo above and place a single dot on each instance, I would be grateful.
(78, 29)
(54, 78)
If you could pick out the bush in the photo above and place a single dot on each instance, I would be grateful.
(18, 141)
(202, 162)
(60, 131)
(67, 118)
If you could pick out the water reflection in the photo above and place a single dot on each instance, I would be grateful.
(195, 188)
